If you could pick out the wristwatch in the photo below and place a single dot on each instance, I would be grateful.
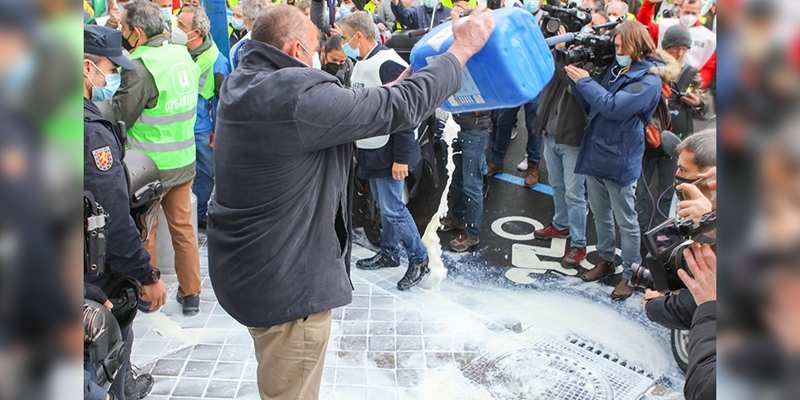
(154, 275)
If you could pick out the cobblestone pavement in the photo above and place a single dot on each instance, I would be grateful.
(385, 345)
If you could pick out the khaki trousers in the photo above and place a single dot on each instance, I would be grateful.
(291, 356)
(177, 205)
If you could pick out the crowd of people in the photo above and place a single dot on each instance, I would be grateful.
(265, 136)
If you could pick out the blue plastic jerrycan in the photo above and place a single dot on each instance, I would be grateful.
(511, 70)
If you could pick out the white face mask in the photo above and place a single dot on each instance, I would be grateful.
(179, 37)
(688, 21)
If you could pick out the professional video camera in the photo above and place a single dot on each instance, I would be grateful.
(573, 18)
(588, 47)
(665, 245)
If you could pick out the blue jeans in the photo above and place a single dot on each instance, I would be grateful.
(607, 197)
(506, 120)
(396, 221)
(467, 185)
(204, 179)
(569, 189)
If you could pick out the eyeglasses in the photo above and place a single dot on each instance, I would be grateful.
(304, 48)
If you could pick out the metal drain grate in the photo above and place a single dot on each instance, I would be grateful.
(542, 367)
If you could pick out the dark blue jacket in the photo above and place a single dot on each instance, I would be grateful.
(402, 147)
(613, 142)
(419, 17)
(108, 183)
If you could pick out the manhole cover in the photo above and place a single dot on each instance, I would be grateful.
(543, 374)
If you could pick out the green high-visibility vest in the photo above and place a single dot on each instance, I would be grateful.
(205, 62)
(166, 132)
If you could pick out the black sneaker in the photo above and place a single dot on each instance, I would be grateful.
(413, 275)
(138, 386)
(191, 304)
(377, 261)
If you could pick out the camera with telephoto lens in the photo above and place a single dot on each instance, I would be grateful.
(665, 245)
(573, 18)
(588, 47)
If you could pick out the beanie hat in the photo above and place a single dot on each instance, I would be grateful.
(676, 35)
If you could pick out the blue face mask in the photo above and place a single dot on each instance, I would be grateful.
(17, 77)
(586, 29)
(531, 5)
(167, 12)
(429, 4)
(623, 61)
(344, 11)
(237, 24)
(106, 92)
(349, 51)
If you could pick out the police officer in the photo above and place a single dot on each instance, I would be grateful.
(104, 176)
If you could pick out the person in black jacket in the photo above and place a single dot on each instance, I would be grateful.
(467, 186)
(419, 17)
(279, 231)
(561, 121)
(701, 373)
(104, 176)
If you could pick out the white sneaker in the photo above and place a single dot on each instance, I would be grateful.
(523, 166)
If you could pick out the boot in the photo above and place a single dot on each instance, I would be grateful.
(622, 291)
(138, 386)
(376, 262)
(463, 242)
(413, 275)
(493, 167)
(449, 224)
(532, 177)
(602, 269)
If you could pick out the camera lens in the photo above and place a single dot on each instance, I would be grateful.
(641, 277)
(552, 25)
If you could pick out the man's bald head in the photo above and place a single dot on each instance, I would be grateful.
(289, 30)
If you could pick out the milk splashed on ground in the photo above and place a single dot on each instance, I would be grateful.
(430, 239)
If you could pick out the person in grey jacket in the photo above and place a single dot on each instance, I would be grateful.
(279, 229)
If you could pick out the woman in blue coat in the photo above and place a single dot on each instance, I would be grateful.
(618, 100)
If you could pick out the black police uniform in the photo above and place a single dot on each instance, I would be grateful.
(104, 175)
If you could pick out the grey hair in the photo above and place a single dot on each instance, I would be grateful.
(624, 6)
(280, 24)
(253, 8)
(200, 19)
(146, 16)
(704, 146)
(360, 21)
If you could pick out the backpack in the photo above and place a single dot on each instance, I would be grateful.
(660, 121)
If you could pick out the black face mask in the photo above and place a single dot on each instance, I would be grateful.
(126, 44)
(678, 181)
(332, 68)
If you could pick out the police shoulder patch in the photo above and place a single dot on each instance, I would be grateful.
(102, 158)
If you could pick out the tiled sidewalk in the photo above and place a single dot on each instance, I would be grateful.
(383, 345)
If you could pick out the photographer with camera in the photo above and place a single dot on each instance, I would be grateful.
(702, 54)
(612, 147)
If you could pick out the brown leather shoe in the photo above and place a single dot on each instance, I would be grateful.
(622, 291)
(463, 242)
(602, 269)
(449, 224)
(493, 167)
(532, 177)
